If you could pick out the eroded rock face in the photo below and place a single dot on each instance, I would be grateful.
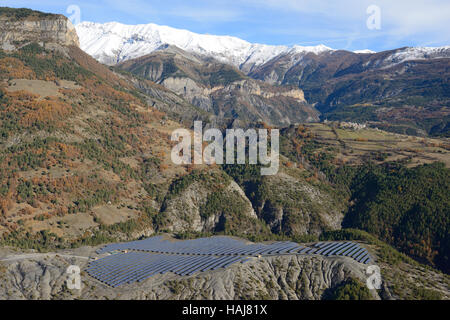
(191, 91)
(222, 90)
(184, 212)
(284, 277)
(299, 208)
(55, 29)
(248, 99)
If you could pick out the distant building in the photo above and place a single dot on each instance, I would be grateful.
(352, 125)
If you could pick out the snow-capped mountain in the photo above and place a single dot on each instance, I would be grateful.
(113, 42)
(419, 53)
(365, 51)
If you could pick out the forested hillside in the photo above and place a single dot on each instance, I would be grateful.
(407, 207)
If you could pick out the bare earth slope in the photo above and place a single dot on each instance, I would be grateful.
(288, 277)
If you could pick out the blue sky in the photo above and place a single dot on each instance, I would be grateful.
(340, 24)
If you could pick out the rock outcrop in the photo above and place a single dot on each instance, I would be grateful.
(17, 32)
(198, 208)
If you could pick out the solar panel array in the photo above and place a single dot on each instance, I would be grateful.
(204, 246)
(345, 249)
(139, 260)
(130, 267)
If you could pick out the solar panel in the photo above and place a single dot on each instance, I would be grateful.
(200, 265)
(148, 272)
(194, 265)
(305, 250)
(136, 269)
(227, 263)
(157, 255)
(120, 272)
(355, 250)
(366, 260)
(362, 256)
(289, 248)
(363, 253)
(296, 249)
(333, 248)
(346, 248)
(187, 264)
(325, 247)
(207, 265)
(174, 262)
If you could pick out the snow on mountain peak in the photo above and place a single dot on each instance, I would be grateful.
(364, 51)
(314, 49)
(114, 42)
(418, 53)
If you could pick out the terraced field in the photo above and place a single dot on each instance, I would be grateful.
(353, 146)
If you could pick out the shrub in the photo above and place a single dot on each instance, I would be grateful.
(351, 289)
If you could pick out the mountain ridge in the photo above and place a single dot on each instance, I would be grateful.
(96, 35)
(404, 90)
(221, 89)
(114, 42)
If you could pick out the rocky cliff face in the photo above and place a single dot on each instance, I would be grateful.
(295, 209)
(15, 33)
(200, 207)
(222, 90)
(248, 99)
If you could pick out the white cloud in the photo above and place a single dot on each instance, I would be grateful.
(399, 19)
(417, 16)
